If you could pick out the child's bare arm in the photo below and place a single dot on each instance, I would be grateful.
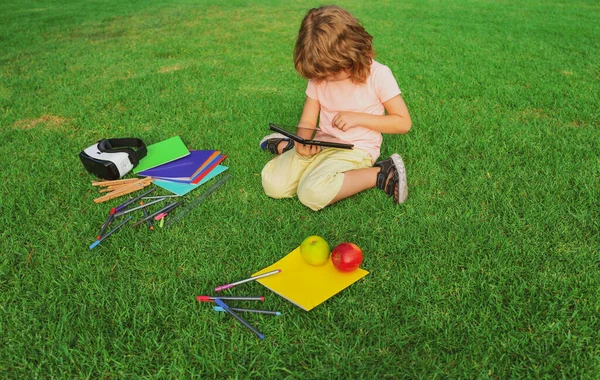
(307, 125)
(308, 120)
(396, 121)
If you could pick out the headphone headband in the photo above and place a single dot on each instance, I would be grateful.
(122, 145)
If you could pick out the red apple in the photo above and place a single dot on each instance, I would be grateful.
(347, 257)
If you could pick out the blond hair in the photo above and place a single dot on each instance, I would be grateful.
(331, 40)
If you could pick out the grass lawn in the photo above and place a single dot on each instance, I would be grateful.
(491, 269)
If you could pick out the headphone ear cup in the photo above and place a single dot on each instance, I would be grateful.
(104, 145)
(131, 153)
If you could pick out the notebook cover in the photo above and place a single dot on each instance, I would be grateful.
(182, 168)
(207, 169)
(161, 153)
(184, 188)
(305, 285)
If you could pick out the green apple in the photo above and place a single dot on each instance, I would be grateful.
(314, 250)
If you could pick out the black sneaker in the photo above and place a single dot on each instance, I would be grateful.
(271, 142)
(392, 178)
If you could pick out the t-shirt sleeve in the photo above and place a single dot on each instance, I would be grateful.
(311, 90)
(385, 84)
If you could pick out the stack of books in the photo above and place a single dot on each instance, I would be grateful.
(179, 170)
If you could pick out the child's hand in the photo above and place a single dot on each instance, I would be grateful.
(346, 120)
(307, 150)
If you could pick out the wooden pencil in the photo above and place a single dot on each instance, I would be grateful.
(125, 190)
(120, 187)
(114, 182)
(124, 186)
(116, 194)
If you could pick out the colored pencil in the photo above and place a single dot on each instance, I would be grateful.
(142, 206)
(94, 244)
(212, 299)
(127, 203)
(219, 308)
(111, 216)
(150, 223)
(240, 319)
(165, 209)
(223, 287)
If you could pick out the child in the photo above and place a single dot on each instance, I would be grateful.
(355, 99)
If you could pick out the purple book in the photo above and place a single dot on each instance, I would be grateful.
(183, 168)
(207, 168)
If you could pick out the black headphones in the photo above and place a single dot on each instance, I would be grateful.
(120, 145)
(105, 159)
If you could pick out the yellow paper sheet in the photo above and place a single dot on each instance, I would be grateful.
(306, 285)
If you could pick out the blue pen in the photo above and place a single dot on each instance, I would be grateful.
(219, 308)
(94, 244)
(240, 319)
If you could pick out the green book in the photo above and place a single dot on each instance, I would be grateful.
(162, 153)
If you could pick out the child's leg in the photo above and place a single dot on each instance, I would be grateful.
(340, 173)
(281, 175)
(356, 181)
(325, 177)
(392, 180)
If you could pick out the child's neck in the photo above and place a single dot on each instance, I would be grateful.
(338, 77)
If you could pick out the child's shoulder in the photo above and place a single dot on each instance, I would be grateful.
(379, 71)
(377, 66)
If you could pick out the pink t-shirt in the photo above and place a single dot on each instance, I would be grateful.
(345, 95)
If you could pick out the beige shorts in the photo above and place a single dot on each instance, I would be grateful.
(317, 179)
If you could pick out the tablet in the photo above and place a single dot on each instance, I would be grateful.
(286, 131)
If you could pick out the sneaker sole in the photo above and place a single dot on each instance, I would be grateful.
(402, 184)
(271, 136)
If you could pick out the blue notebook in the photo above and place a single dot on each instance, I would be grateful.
(184, 188)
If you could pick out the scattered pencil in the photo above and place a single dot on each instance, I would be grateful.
(150, 223)
(212, 299)
(166, 212)
(165, 209)
(240, 319)
(94, 244)
(122, 188)
(141, 206)
(132, 200)
(111, 216)
(114, 182)
(163, 197)
(219, 308)
(223, 287)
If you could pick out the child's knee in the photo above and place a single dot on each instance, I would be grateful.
(313, 198)
(275, 187)
(316, 192)
(273, 190)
